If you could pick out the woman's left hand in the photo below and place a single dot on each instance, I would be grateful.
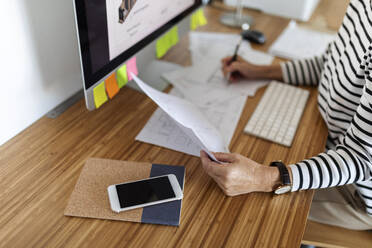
(240, 175)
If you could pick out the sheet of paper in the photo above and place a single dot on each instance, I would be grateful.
(297, 42)
(99, 94)
(208, 72)
(112, 87)
(122, 76)
(189, 118)
(132, 68)
(201, 44)
(162, 130)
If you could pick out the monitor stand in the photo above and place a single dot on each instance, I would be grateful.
(151, 75)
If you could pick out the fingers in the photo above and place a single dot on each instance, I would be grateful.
(211, 168)
(226, 60)
(234, 67)
(225, 157)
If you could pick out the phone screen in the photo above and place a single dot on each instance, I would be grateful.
(136, 193)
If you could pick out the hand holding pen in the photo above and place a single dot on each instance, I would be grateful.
(233, 59)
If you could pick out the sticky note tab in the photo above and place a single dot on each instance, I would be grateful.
(132, 68)
(173, 36)
(201, 17)
(112, 87)
(161, 47)
(99, 94)
(164, 43)
(122, 76)
(198, 19)
(194, 21)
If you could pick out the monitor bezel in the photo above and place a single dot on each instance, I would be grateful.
(90, 78)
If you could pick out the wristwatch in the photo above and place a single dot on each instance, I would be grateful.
(285, 185)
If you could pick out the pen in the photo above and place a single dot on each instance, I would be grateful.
(234, 57)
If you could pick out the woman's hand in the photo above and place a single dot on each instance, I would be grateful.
(240, 175)
(240, 69)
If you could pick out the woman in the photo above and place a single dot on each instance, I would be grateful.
(344, 79)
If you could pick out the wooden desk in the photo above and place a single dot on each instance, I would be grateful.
(39, 169)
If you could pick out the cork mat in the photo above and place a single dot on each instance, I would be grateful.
(90, 199)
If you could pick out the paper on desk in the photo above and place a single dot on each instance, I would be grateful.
(201, 42)
(163, 131)
(208, 72)
(188, 118)
(297, 43)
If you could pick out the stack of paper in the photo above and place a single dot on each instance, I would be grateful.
(298, 43)
(210, 121)
(190, 120)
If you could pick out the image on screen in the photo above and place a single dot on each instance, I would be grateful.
(142, 192)
(129, 21)
(125, 7)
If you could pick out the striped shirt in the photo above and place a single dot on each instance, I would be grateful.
(344, 79)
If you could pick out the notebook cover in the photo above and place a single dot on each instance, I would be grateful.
(90, 199)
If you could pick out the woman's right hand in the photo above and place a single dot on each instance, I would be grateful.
(241, 68)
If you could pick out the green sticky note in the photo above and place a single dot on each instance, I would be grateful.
(162, 46)
(99, 94)
(122, 76)
(173, 36)
(201, 18)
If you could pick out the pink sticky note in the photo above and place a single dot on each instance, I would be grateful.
(132, 67)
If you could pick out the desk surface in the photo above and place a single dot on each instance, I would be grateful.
(40, 166)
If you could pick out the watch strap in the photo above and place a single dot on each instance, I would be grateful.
(283, 171)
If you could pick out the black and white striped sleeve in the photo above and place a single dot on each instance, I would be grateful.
(351, 160)
(304, 71)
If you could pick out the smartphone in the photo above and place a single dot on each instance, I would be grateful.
(142, 193)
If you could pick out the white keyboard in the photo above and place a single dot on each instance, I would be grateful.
(278, 113)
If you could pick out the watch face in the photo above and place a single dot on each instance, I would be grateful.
(283, 189)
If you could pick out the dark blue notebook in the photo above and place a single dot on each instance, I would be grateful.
(168, 213)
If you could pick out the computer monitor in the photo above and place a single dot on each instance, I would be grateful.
(112, 31)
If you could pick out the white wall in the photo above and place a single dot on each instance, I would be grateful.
(39, 61)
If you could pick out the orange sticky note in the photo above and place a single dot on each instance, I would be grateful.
(99, 94)
(122, 76)
(132, 67)
(112, 87)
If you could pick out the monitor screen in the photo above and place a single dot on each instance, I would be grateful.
(112, 31)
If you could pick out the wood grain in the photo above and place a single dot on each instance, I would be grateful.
(335, 237)
(40, 167)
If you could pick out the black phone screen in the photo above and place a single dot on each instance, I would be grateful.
(156, 189)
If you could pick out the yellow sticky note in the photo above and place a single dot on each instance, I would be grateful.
(173, 36)
(198, 19)
(122, 76)
(99, 94)
(201, 18)
(162, 46)
(164, 43)
(194, 21)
